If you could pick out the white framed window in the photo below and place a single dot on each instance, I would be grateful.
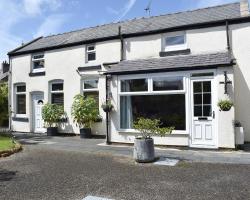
(90, 53)
(57, 92)
(38, 63)
(174, 41)
(90, 89)
(20, 97)
(155, 96)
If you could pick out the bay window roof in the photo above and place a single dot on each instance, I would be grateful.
(173, 63)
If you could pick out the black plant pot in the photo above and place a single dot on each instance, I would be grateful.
(52, 131)
(85, 133)
(107, 109)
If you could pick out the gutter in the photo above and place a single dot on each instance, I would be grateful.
(122, 43)
(172, 29)
(228, 37)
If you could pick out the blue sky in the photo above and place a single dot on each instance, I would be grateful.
(23, 20)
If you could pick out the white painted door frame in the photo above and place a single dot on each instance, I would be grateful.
(37, 122)
(204, 122)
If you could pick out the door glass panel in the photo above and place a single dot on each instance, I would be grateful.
(202, 98)
(207, 98)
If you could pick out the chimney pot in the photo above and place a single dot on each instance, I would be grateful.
(244, 8)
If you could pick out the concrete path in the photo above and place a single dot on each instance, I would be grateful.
(99, 146)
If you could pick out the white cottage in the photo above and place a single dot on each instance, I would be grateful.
(173, 67)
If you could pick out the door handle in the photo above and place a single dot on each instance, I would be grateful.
(213, 114)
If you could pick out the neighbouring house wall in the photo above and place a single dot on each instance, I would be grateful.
(62, 64)
(241, 50)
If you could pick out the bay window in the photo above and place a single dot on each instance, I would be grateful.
(20, 99)
(162, 98)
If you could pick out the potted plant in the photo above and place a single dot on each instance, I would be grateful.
(225, 105)
(52, 114)
(84, 112)
(107, 106)
(239, 133)
(144, 144)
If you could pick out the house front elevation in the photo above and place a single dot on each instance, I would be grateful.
(174, 67)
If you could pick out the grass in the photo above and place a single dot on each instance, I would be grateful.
(6, 143)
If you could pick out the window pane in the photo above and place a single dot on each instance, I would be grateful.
(40, 56)
(90, 84)
(197, 87)
(206, 98)
(134, 85)
(21, 103)
(197, 111)
(21, 88)
(207, 111)
(91, 48)
(57, 98)
(38, 64)
(167, 83)
(94, 95)
(57, 87)
(197, 99)
(175, 40)
(170, 109)
(91, 56)
(206, 86)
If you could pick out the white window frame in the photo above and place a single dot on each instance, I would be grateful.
(56, 92)
(174, 47)
(20, 93)
(92, 89)
(38, 59)
(90, 51)
(151, 92)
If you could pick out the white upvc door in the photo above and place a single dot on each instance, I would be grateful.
(204, 133)
(38, 102)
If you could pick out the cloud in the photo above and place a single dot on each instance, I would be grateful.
(122, 12)
(35, 7)
(52, 24)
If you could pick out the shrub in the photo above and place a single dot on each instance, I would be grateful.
(3, 104)
(52, 114)
(107, 106)
(225, 105)
(84, 111)
(151, 127)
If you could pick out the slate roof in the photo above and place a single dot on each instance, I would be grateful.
(142, 25)
(173, 63)
(3, 76)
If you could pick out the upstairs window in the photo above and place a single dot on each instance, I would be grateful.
(38, 62)
(21, 99)
(91, 53)
(175, 41)
(57, 94)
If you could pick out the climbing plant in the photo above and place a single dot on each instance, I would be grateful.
(3, 104)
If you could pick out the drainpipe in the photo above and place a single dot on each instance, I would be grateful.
(228, 37)
(122, 43)
(9, 93)
(107, 113)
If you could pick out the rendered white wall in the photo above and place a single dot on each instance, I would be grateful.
(241, 50)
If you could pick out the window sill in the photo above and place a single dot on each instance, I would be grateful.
(20, 119)
(174, 52)
(32, 74)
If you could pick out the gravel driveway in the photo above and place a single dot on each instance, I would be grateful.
(45, 171)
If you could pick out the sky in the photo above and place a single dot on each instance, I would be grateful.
(24, 20)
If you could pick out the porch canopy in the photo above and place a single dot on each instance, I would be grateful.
(172, 63)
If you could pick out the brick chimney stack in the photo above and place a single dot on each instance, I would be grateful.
(244, 8)
(5, 67)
